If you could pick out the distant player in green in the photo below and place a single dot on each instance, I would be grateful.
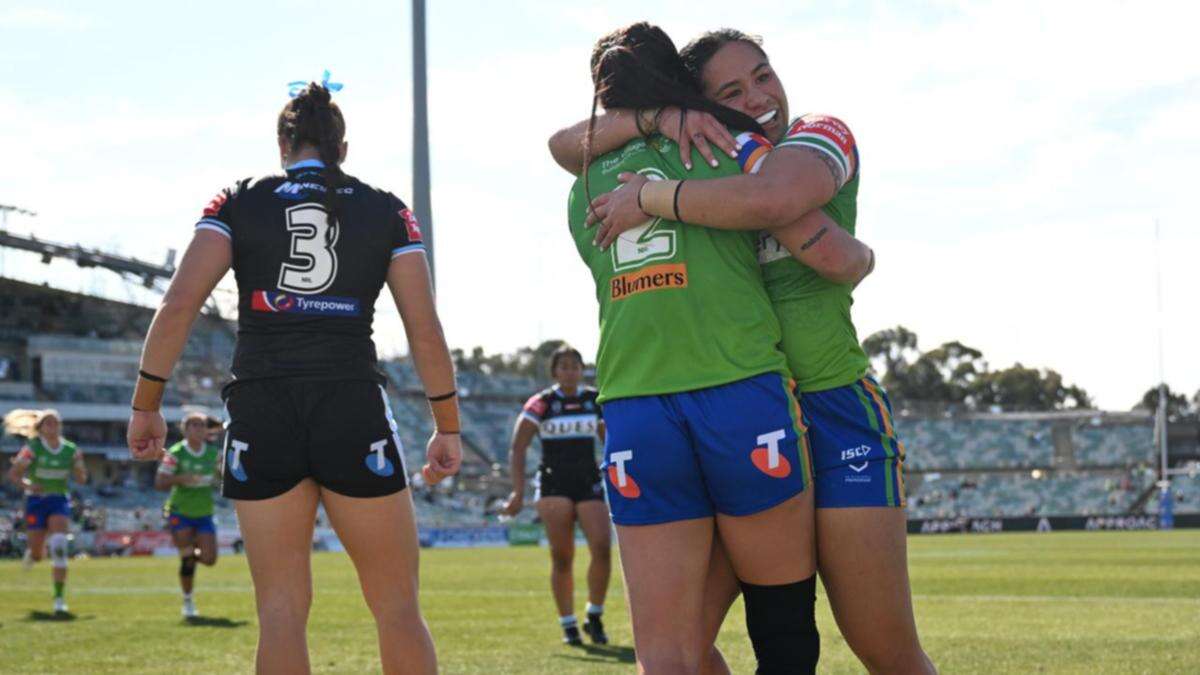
(42, 468)
(189, 469)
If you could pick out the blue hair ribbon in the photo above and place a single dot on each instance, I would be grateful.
(294, 88)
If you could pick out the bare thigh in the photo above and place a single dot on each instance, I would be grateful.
(185, 540)
(720, 591)
(207, 543)
(594, 521)
(665, 566)
(772, 547)
(558, 516)
(864, 567)
(277, 534)
(380, 534)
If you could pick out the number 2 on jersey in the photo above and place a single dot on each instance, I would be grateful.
(649, 241)
(314, 262)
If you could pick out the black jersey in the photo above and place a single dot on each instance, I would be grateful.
(307, 287)
(567, 424)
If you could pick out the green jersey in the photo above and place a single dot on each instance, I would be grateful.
(819, 339)
(49, 468)
(681, 307)
(194, 500)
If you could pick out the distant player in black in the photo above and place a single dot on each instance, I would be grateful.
(309, 421)
(569, 488)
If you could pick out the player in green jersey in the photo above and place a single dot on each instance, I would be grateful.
(857, 455)
(704, 437)
(189, 469)
(42, 468)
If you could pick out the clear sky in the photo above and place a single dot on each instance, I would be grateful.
(1015, 155)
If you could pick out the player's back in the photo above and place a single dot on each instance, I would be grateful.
(681, 307)
(307, 285)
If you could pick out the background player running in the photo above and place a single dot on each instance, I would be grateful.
(189, 469)
(569, 489)
(309, 420)
(856, 454)
(41, 468)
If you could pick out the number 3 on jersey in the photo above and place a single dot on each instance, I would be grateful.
(313, 263)
(649, 241)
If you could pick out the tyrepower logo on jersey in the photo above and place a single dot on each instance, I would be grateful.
(288, 303)
(653, 278)
(411, 224)
(619, 476)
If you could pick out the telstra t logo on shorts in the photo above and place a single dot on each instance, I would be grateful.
(619, 477)
(377, 463)
(767, 459)
(233, 459)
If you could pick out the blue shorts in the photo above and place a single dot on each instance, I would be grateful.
(202, 525)
(858, 458)
(39, 508)
(735, 449)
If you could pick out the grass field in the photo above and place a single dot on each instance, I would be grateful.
(1102, 602)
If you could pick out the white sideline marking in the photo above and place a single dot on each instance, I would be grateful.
(1057, 598)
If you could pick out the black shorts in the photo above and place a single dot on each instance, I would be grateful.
(340, 433)
(577, 481)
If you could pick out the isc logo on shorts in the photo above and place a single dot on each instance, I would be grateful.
(767, 458)
(619, 476)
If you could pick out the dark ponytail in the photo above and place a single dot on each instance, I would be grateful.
(639, 67)
(313, 118)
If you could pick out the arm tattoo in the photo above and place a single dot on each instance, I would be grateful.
(835, 169)
(814, 239)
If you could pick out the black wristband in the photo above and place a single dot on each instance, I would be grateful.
(443, 397)
(152, 378)
(675, 201)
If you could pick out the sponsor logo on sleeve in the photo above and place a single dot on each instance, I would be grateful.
(216, 204)
(276, 302)
(411, 224)
(653, 278)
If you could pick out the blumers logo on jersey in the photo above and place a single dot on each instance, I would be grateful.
(377, 463)
(619, 476)
(767, 457)
(653, 278)
(288, 303)
(752, 150)
(233, 460)
(411, 224)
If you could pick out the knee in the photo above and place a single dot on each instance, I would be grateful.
(402, 616)
(283, 610)
(208, 558)
(601, 553)
(561, 561)
(885, 659)
(671, 659)
(37, 553)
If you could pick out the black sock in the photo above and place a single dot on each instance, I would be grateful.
(781, 621)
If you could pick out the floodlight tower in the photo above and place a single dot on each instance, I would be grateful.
(420, 196)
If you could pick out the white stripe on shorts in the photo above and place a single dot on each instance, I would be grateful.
(387, 407)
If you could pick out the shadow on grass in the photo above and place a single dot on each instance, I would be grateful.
(35, 615)
(214, 622)
(602, 654)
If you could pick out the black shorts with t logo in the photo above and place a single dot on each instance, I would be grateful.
(340, 433)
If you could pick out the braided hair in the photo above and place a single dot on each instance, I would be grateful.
(313, 118)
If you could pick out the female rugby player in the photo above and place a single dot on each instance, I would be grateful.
(568, 420)
(309, 420)
(703, 434)
(857, 455)
(41, 468)
(189, 469)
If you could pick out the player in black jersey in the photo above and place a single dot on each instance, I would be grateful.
(308, 419)
(568, 420)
